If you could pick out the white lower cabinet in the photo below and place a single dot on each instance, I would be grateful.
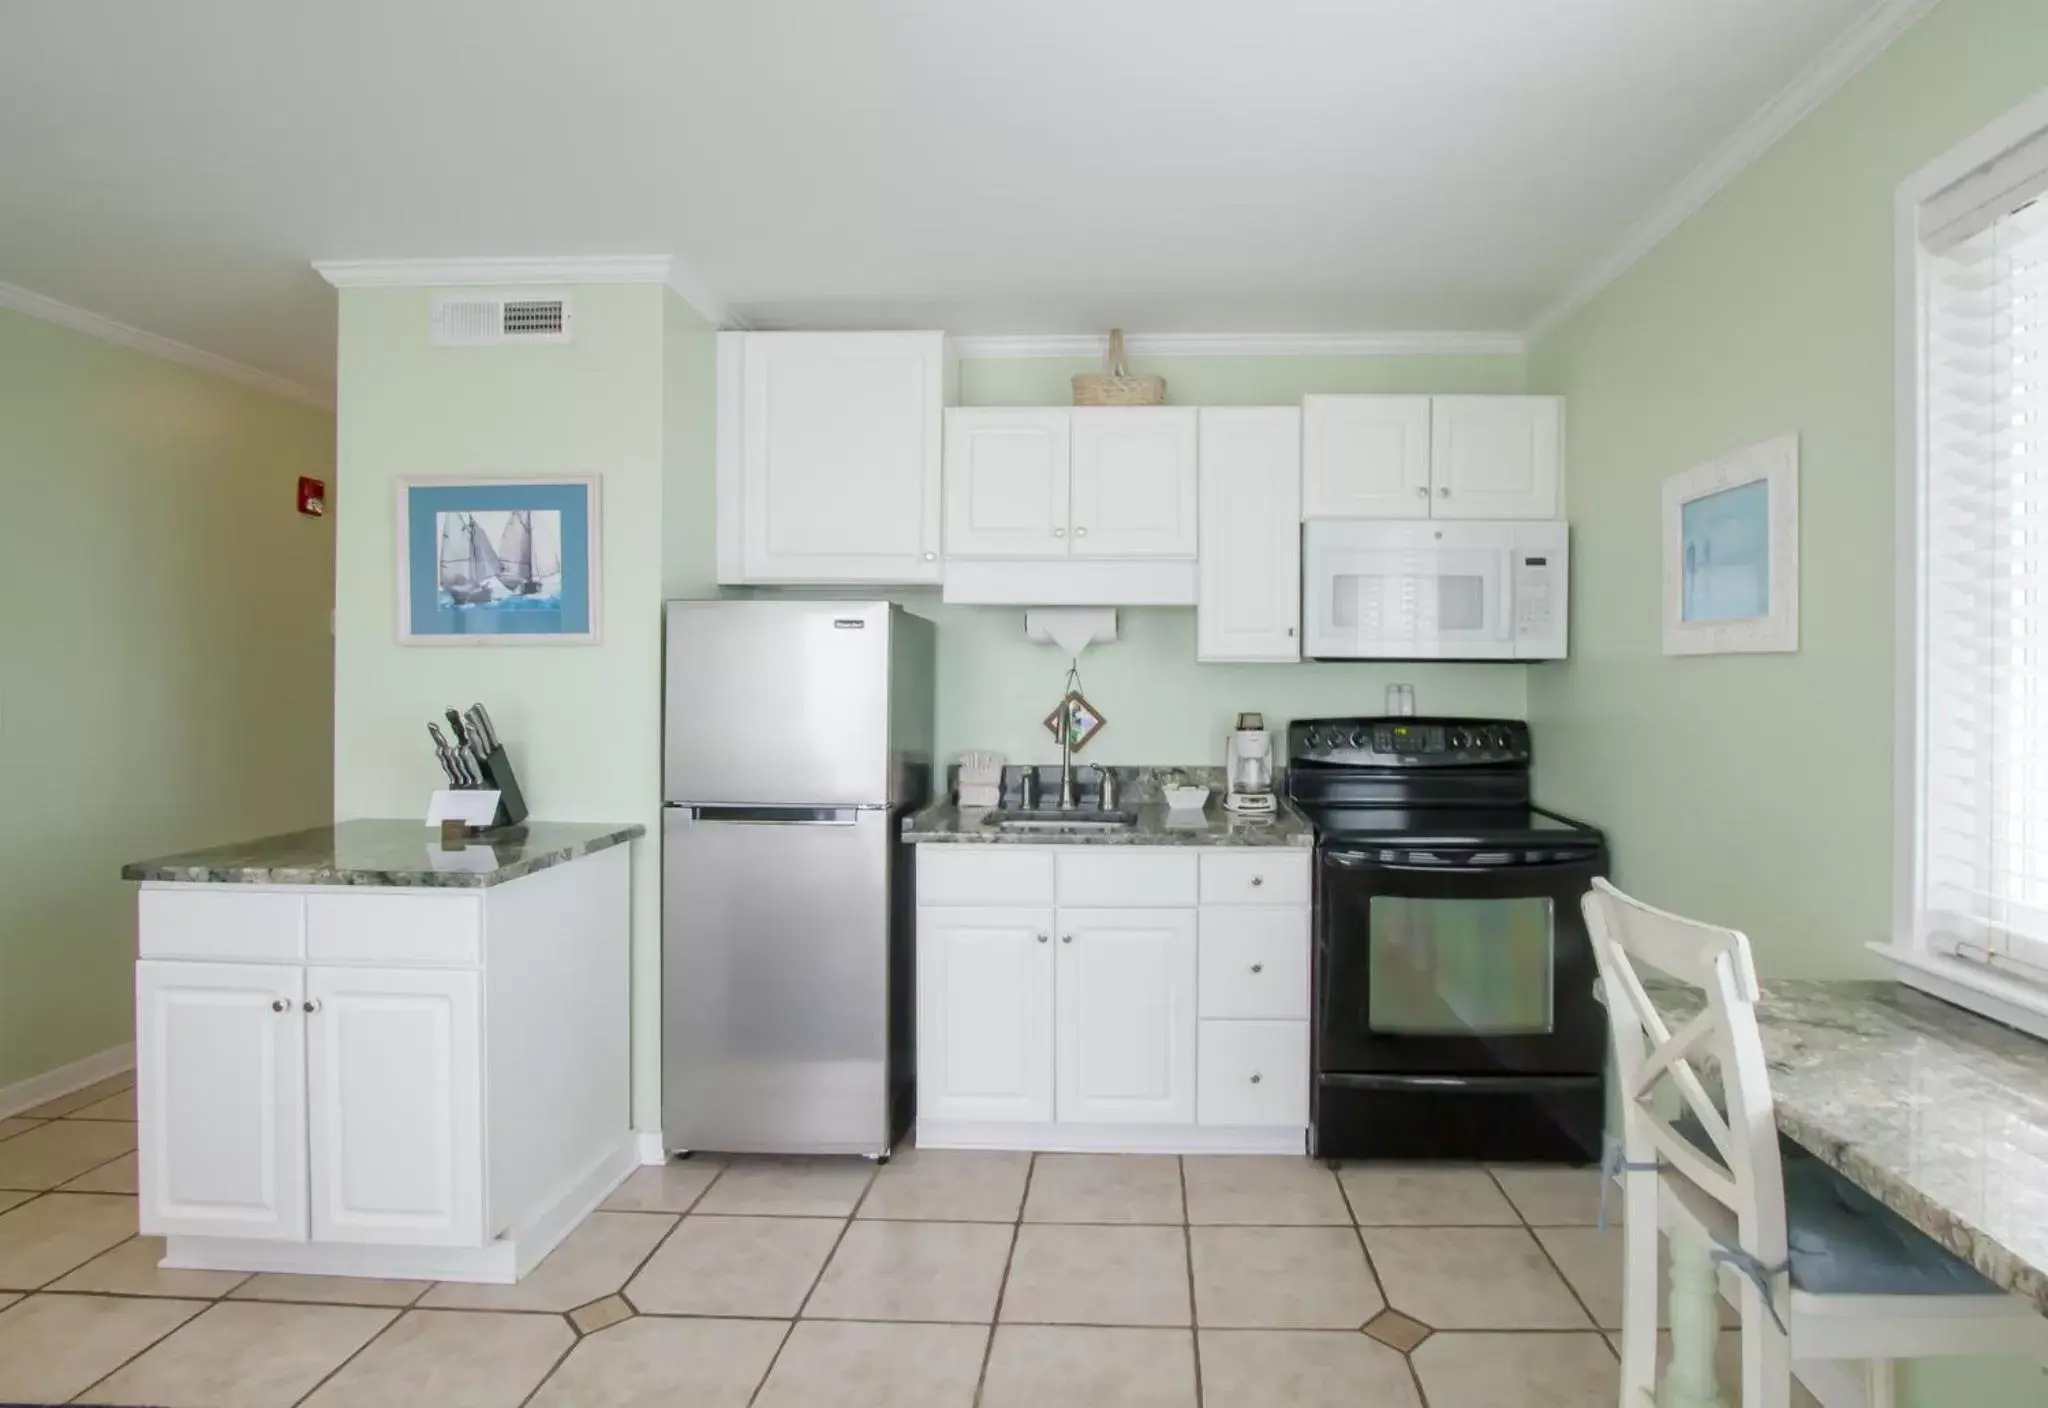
(1126, 1016)
(395, 1100)
(424, 1083)
(1094, 1003)
(1254, 1073)
(985, 1014)
(221, 1099)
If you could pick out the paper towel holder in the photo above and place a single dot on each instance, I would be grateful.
(1072, 628)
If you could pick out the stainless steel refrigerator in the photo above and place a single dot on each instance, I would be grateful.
(797, 734)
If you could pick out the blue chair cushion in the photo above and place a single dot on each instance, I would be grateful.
(1843, 1242)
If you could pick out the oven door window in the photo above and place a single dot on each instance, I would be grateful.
(1460, 967)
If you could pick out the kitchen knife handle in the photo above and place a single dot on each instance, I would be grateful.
(455, 723)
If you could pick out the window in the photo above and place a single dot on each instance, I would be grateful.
(1974, 729)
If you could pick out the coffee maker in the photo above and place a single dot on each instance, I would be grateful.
(1248, 767)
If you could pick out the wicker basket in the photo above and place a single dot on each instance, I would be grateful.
(1114, 385)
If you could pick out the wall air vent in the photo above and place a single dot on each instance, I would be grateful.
(499, 319)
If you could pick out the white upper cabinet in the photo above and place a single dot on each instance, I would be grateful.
(1250, 603)
(1007, 482)
(829, 456)
(1431, 456)
(1134, 482)
(1365, 456)
(1495, 456)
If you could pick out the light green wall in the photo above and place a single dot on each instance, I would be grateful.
(164, 667)
(995, 687)
(1756, 790)
(582, 722)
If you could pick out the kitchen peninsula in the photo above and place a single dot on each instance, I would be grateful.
(362, 1052)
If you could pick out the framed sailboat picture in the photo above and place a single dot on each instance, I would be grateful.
(498, 561)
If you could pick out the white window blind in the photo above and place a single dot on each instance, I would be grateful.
(1983, 892)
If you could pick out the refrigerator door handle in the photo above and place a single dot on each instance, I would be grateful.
(777, 816)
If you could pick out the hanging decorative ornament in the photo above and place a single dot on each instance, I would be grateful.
(1083, 719)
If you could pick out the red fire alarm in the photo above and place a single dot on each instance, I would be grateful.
(312, 497)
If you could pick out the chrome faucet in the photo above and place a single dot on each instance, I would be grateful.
(1067, 802)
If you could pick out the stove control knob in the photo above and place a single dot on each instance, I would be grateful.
(1457, 738)
(1361, 738)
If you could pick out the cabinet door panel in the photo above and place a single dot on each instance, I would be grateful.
(840, 456)
(1126, 1016)
(985, 1015)
(1250, 607)
(396, 1102)
(221, 1100)
(1365, 456)
(1135, 483)
(1006, 483)
(1495, 456)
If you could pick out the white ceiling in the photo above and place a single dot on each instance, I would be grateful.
(976, 165)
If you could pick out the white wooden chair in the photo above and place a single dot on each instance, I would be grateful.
(1824, 1272)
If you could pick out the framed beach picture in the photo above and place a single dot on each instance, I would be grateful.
(1731, 553)
(498, 561)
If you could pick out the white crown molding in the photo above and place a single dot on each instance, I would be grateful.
(687, 284)
(571, 269)
(49, 310)
(1816, 83)
(1253, 344)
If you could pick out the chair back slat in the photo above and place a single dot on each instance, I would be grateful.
(1741, 1131)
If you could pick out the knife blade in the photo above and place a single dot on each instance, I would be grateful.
(483, 716)
(442, 755)
(455, 723)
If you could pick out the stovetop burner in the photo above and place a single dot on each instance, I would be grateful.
(1447, 826)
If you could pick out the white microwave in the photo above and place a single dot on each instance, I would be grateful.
(1428, 589)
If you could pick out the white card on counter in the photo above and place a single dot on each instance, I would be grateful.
(472, 808)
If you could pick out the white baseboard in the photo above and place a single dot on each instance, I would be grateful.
(503, 1262)
(1111, 1138)
(37, 1090)
(653, 1149)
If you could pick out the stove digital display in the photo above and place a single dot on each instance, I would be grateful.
(1401, 738)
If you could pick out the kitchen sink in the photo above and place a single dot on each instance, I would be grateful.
(1058, 819)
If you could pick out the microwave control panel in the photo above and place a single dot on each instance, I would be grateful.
(1535, 595)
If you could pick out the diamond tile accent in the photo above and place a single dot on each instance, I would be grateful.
(589, 1319)
(1397, 1331)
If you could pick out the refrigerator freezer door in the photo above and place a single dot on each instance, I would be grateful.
(775, 967)
(778, 702)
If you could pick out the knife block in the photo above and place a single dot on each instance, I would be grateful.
(498, 774)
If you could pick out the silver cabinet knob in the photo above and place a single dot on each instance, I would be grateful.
(1066, 938)
(1059, 532)
(1258, 880)
(1080, 532)
(931, 557)
(1256, 1077)
(1290, 633)
(280, 1005)
(1444, 493)
(1043, 937)
(1422, 489)
(1258, 967)
(312, 1004)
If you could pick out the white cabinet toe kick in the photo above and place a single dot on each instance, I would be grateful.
(1113, 998)
(382, 1082)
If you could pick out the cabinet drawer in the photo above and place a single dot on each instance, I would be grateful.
(254, 925)
(983, 875)
(1252, 1073)
(1111, 877)
(357, 928)
(1255, 876)
(1254, 961)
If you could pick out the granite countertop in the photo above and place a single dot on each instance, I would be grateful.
(1156, 826)
(1938, 1113)
(379, 852)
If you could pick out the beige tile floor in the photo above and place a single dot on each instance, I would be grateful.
(944, 1280)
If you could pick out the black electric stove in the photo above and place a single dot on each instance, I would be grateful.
(1454, 1008)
